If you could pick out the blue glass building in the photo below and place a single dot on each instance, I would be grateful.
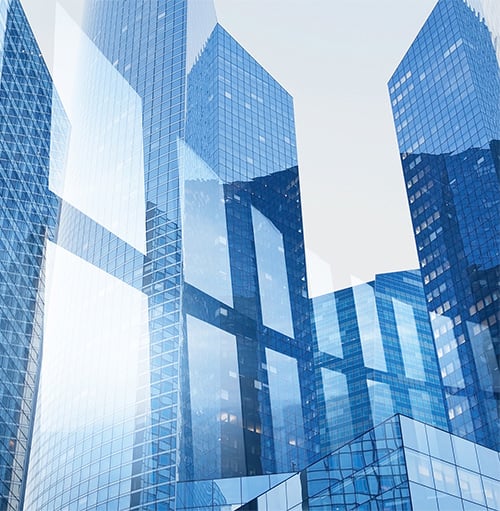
(375, 357)
(240, 151)
(152, 176)
(177, 344)
(446, 103)
(28, 213)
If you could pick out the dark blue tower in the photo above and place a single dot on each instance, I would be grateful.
(446, 102)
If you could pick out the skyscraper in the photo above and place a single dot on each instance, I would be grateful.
(152, 176)
(446, 103)
(177, 346)
(28, 213)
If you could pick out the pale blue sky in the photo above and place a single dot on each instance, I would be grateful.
(335, 57)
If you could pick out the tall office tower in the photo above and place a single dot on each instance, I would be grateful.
(28, 215)
(446, 103)
(375, 357)
(177, 355)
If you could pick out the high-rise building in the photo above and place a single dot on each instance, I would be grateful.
(177, 341)
(375, 357)
(28, 213)
(152, 249)
(446, 102)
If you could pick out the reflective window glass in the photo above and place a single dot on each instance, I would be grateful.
(369, 328)
(440, 445)
(419, 468)
(409, 340)
(470, 486)
(204, 228)
(216, 415)
(445, 477)
(286, 409)
(272, 273)
(423, 498)
(465, 453)
(492, 492)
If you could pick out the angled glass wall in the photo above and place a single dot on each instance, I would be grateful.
(93, 388)
(446, 104)
(114, 162)
(400, 464)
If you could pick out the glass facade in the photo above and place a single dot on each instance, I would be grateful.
(446, 102)
(28, 213)
(177, 345)
(375, 357)
(240, 133)
(152, 245)
(401, 464)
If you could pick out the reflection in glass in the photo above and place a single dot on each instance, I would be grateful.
(326, 324)
(419, 468)
(449, 154)
(445, 477)
(465, 453)
(94, 363)
(4, 8)
(201, 20)
(227, 490)
(423, 498)
(378, 470)
(216, 416)
(286, 408)
(369, 328)
(337, 401)
(420, 403)
(253, 486)
(414, 434)
(204, 228)
(447, 502)
(470, 486)
(492, 492)
(276, 497)
(104, 175)
(440, 444)
(485, 358)
(489, 461)
(409, 340)
(293, 491)
(380, 400)
(273, 277)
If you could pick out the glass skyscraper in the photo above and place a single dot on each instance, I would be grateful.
(28, 213)
(375, 357)
(446, 103)
(152, 250)
(177, 341)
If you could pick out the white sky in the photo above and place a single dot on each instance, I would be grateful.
(335, 57)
